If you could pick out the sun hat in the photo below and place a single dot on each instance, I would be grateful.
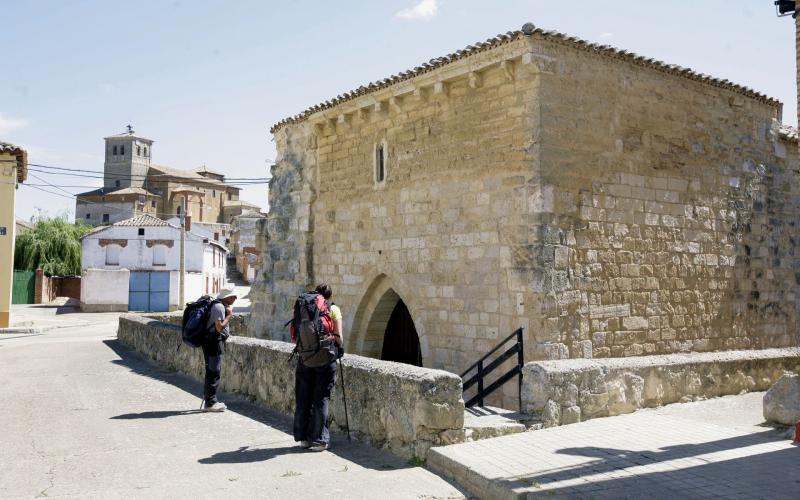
(225, 293)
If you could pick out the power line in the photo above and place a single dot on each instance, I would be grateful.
(147, 175)
(127, 178)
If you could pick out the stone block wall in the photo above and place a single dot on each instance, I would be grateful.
(673, 222)
(435, 234)
(569, 391)
(400, 408)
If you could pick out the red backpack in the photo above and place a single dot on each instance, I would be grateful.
(312, 330)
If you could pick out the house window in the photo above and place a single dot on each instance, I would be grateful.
(112, 255)
(380, 162)
(114, 151)
(105, 217)
(88, 216)
(229, 196)
(122, 150)
(213, 193)
(116, 183)
(159, 255)
(216, 236)
(138, 151)
(141, 231)
(145, 151)
(153, 203)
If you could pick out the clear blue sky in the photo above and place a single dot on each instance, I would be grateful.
(206, 79)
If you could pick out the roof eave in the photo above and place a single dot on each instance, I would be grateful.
(530, 32)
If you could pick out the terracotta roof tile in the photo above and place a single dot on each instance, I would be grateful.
(528, 30)
(143, 220)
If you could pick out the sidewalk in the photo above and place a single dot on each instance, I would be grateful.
(710, 449)
(88, 419)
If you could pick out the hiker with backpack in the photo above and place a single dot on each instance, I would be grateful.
(217, 326)
(317, 330)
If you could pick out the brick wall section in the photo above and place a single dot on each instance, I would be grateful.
(47, 288)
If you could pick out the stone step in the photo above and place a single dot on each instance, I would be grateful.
(483, 422)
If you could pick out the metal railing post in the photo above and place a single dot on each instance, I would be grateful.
(521, 364)
(480, 382)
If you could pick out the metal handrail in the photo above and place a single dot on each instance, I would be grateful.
(517, 349)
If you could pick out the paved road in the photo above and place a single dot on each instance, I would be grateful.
(84, 418)
(710, 449)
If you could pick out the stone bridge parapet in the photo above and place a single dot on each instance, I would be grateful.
(401, 408)
(572, 390)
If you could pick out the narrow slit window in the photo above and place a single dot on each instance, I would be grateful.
(380, 163)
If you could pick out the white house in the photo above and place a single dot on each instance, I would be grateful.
(134, 265)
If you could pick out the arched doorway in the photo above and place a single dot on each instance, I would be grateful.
(400, 340)
(384, 327)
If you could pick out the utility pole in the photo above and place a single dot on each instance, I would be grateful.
(182, 300)
(186, 225)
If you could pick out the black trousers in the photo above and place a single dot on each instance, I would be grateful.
(212, 354)
(312, 392)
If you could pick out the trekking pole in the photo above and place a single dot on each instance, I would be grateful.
(344, 398)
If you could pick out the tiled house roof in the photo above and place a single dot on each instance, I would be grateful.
(104, 191)
(143, 220)
(22, 159)
(528, 30)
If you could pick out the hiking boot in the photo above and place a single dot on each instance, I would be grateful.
(216, 407)
(319, 447)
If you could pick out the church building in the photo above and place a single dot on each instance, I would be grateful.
(133, 185)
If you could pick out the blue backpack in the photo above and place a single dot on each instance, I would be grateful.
(195, 321)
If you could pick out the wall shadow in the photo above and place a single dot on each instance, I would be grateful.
(356, 452)
(740, 476)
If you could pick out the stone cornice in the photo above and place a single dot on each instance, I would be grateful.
(401, 81)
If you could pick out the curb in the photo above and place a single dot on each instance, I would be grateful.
(26, 329)
(39, 329)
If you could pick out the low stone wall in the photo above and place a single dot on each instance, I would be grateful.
(236, 326)
(401, 408)
(569, 391)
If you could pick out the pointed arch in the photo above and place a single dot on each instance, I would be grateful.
(373, 313)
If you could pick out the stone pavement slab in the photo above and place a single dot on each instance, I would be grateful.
(84, 418)
(710, 449)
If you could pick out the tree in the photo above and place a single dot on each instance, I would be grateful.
(54, 246)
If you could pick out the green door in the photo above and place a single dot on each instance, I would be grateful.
(22, 291)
